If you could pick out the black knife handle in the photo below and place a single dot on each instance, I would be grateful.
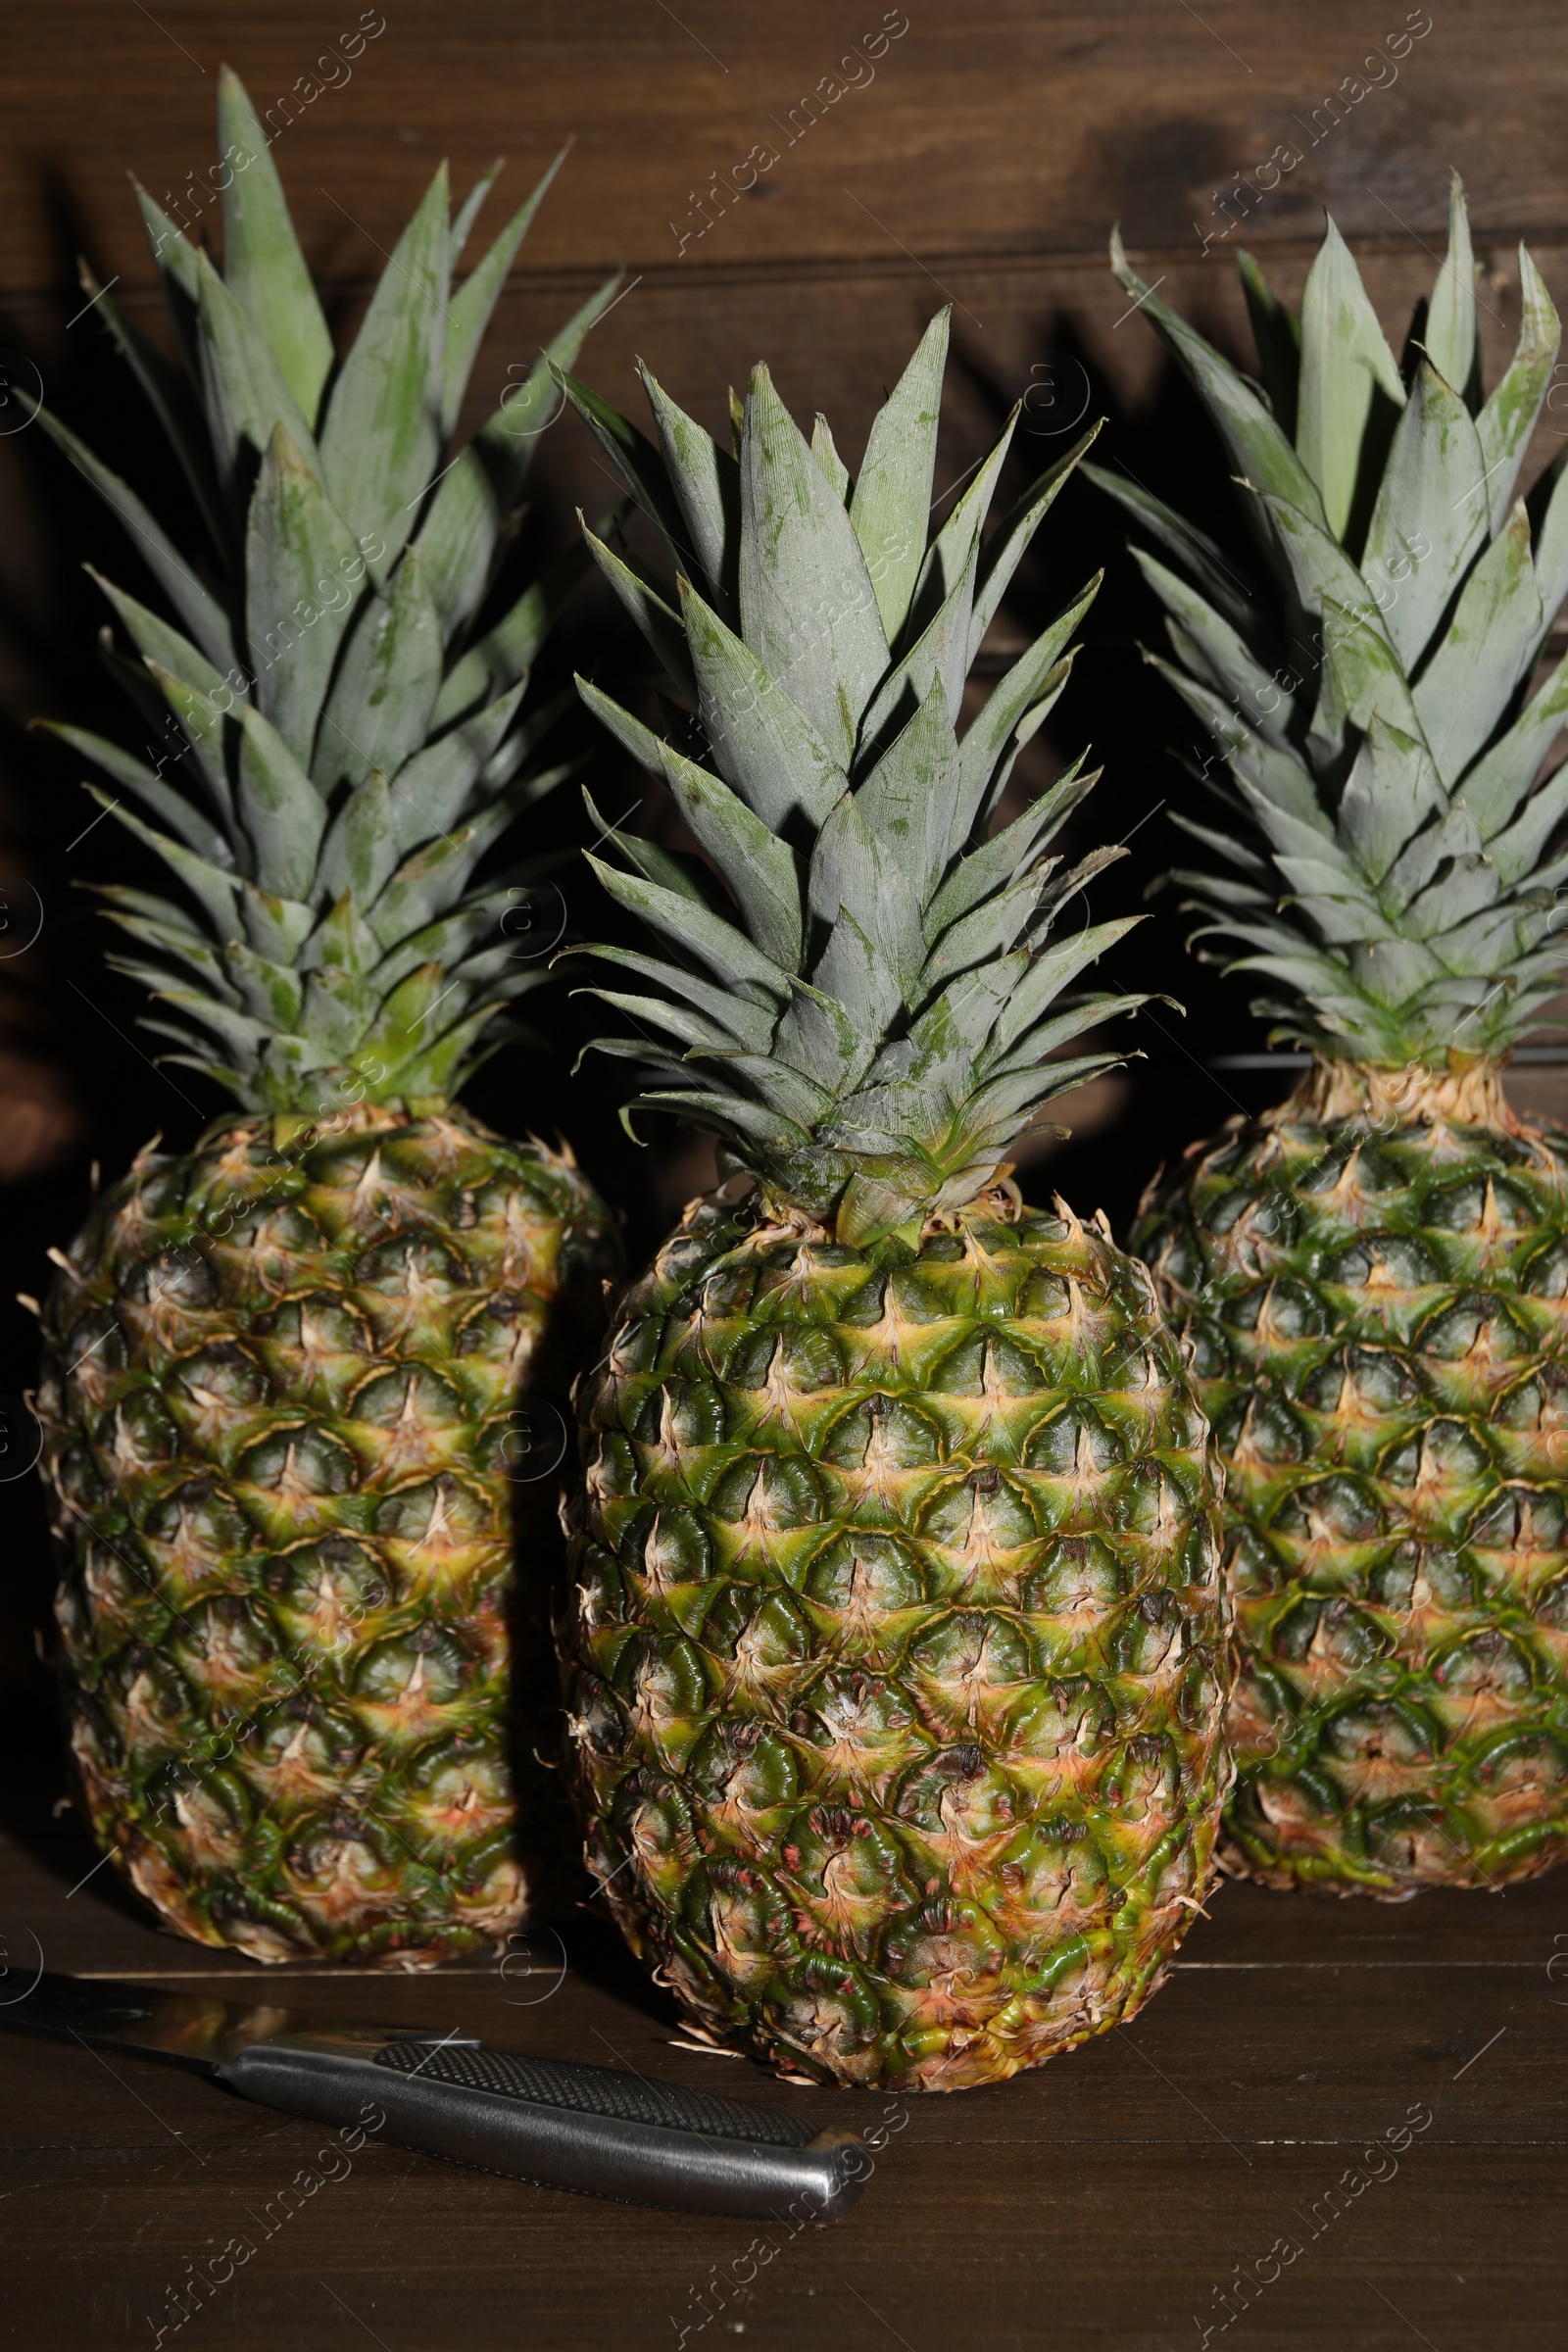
(586, 2128)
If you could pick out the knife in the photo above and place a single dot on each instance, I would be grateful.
(565, 2126)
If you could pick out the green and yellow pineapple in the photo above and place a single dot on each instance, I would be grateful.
(1374, 1276)
(286, 1392)
(900, 1653)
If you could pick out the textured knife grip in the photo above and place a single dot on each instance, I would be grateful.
(597, 2090)
(587, 2127)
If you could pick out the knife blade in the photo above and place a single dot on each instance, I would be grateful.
(567, 2125)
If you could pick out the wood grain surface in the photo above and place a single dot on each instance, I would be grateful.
(1378, 2088)
(918, 155)
(1382, 2088)
(1012, 127)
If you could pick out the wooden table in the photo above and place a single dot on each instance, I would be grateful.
(1380, 2087)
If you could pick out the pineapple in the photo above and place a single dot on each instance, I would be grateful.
(898, 1667)
(288, 1433)
(1373, 1275)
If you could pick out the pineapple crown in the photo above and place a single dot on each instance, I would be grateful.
(860, 987)
(1382, 853)
(340, 748)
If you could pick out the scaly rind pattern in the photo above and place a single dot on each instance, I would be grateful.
(291, 1464)
(1378, 1310)
(900, 1655)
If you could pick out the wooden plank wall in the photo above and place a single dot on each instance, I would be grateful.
(805, 181)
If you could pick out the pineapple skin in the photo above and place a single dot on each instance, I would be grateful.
(304, 1599)
(1373, 1279)
(900, 1655)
